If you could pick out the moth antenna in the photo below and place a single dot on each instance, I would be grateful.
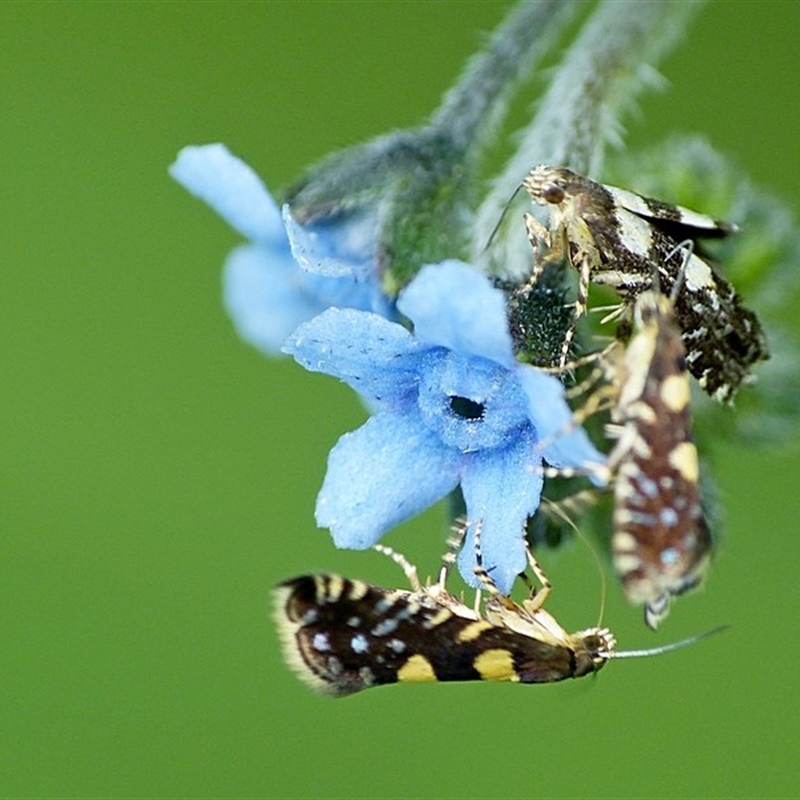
(668, 648)
(502, 217)
(558, 510)
(687, 246)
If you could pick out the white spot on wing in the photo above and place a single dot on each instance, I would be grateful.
(698, 274)
(668, 517)
(670, 556)
(635, 234)
(310, 616)
(697, 220)
(384, 627)
(647, 486)
(630, 200)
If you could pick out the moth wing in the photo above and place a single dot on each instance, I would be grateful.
(678, 222)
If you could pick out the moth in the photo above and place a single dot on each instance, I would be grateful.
(661, 543)
(341, 636)
(620, 239)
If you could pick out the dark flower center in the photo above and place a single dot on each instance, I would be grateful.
(470, 402)
(466, 408)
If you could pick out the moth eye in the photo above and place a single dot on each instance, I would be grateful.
(553, 193)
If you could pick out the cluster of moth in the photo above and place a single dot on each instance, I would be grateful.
(678, 316)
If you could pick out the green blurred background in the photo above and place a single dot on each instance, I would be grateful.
(159, 475)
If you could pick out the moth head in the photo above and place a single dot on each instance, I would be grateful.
(651, 308)
(593, 647)
(547, 185)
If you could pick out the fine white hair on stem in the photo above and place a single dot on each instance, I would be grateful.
(609, 63)
(474, 107)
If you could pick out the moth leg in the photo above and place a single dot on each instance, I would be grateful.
(601, 399)
(485, 578)
(614, 312)
(580, 305)
(537, 598)
(408, 568)
(459, 531)
(564, 507)
(538, 235)
(541, 242)
(581, 361)
(603, 371)
(550, 246)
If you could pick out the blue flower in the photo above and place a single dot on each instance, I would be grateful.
(453, 408)
(288, 273)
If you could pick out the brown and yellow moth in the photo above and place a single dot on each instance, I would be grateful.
(341, 636)
(661, 544)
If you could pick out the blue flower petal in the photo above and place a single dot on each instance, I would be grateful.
(453, 305)
(267, 295)
(562, 443)
(345, 250)
(312, 252)
(231, 188)
(381, 475)
(502, 489)
(378, 358)
(264, 294)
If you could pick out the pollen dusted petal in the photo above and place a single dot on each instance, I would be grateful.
(566, 445)
(380, 475)
(369, 353)
(453, 305)
(266, 292)
(501, 489)
(263, 294)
